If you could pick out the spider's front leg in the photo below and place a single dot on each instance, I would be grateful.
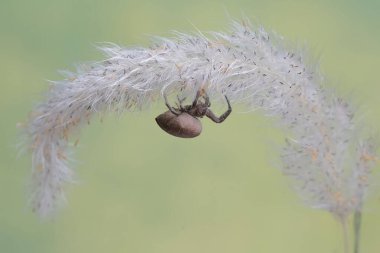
(207, 100)
(196, 98)
(220, 119)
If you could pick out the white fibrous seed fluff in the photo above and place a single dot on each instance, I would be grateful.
(328, 161)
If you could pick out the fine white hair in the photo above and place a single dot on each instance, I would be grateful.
(326, 157)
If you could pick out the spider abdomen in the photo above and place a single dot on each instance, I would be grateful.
(183, 125)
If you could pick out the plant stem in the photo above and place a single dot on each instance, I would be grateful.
(343, 221)
(357, 225)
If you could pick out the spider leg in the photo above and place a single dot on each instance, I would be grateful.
(196, 98)
(220, 119)
(171, 109)
(207, 100)
(180, 102)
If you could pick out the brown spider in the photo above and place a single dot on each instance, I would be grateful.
(183, 121)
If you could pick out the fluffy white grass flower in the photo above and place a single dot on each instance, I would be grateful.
(329, 162)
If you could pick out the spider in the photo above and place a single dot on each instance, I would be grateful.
(183, 121)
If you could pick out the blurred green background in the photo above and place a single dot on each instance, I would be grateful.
(141, 190)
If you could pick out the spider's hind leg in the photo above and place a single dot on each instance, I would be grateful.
(171, 109)
(180, 101)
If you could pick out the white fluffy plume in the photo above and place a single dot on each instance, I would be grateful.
(330, 164)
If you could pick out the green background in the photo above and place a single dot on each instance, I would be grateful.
(141, 190)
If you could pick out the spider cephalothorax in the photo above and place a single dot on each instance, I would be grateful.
(183, 121)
